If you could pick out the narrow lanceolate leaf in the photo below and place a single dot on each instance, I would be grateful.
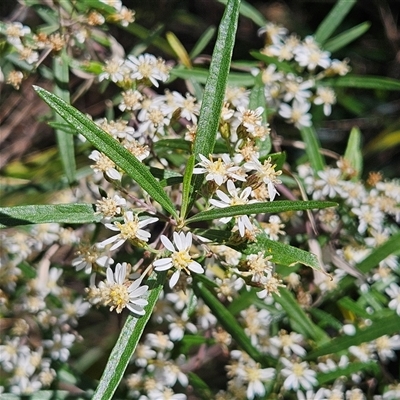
(346, 37)
(272, 207)
(384, 326)
(353, 368)
(362, 82)
(391, 246)
(353, 153)
(65, 142)
(41, 214)
(283, 254)
(333, 20)
(313, 147)
(214, 90)
(248, 11)
(127, 342)
(202, 42)
(230, 324)
(299, 319)
(186, 189)
(110, 147)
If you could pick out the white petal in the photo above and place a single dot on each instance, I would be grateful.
(167, 243)
(113, 174)
(174, 278)
(194, 266)
(119, 243)
(163, 264)
(147, 221)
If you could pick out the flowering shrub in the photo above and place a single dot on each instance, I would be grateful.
(216, 253)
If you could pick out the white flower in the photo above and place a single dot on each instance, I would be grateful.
(113, 69)
(329, 182)
(266, 173)
(325, 96)
(59, 346)
(145, 67)
(218, 171)
(180, 259)
(118, 292)
(368, 217)
(385, 347)
(297, 114)
(393, 291)
(298, 375)
(129, 230)
(242, 221)
(104, 165)
(296, 88)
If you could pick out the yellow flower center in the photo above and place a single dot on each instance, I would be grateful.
(181, 259)
(118, 297)
(129, 229)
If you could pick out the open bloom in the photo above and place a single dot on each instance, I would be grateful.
(218, 171)
(243, 221)
(129, 230)
(118, 292)
(179, 258)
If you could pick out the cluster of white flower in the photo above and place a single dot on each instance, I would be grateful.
(184, 335)
(44, 308)
(29, 49)
(292, 93)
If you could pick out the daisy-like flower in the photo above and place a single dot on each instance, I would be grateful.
(118, 292)
(325, 96)
(180, 259)
(368, 217)
(104, 165)
(266, 173)
(129, 230)
(297, 114)
(218, 171)
(236, 198)
(89, 256)
(113, 69)
(298, 375)
(250, 119)
(393, 291)
(144, 67)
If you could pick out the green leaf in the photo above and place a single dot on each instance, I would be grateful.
(272, 207)
(186, 189)
(200, 387)
(362, 82)
(283, 253)
(281, 65)
(127, 342)
(41, 214)
(229, 323)
(202, 42)
(214, 91)
(333, 20)
(346, 37)
(325, 319)
(257, 99)
(353, 153)
(298, 318)
(65, 142)
(352, 368)
(248, 11)
(383, 326)
(313, 147)
(391, 246)
(200, 75)
(110, 147)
